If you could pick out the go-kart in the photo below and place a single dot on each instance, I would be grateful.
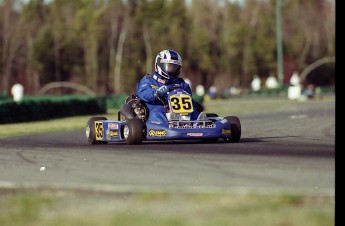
(132, 126)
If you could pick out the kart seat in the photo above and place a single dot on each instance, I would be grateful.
(138, 106)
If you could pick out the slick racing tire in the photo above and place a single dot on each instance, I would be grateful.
(91, 130)
(133, 131)
(127, 111)
(235, 129)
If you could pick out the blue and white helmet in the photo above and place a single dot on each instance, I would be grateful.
(168, 64)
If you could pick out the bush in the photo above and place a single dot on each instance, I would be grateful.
(34, 108)
(4, 96)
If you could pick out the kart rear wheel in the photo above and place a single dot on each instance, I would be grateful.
(133, 131)
(235, 129)
(91, 130)
(127, 111)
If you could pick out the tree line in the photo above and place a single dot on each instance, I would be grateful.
(107, 45)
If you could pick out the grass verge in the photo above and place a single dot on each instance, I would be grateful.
(64, 207)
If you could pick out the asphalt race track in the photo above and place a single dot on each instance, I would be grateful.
(279, 151)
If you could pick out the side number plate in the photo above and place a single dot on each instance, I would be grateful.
(99, 130)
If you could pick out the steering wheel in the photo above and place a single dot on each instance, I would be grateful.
(175, 86)
(171, 88)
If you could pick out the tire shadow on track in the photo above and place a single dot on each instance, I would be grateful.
(263, 146)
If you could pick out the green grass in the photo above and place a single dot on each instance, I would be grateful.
(240, 106)
(53, 125)
(48, 207)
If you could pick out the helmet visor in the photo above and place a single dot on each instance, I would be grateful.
(172, 69)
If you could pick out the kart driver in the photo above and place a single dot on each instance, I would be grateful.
(168, 65)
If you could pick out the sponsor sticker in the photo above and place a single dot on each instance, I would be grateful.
(161, 80)
(226, 131)
(114, 133)
(170, 61)
(194, 134)
(157, 133)
(156, 122)
(113, 126)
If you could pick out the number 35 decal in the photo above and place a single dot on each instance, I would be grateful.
(99, 130)
(181, 104)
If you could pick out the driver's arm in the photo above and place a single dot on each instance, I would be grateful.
(146, 91)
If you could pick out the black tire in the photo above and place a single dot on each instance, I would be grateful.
(91, 131)
(235, 129)
(127, 111)
(132, 131)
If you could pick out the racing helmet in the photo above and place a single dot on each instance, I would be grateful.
(168, 64)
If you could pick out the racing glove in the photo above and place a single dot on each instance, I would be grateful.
(161, 91)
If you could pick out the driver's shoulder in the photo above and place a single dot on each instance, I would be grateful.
(147, 78)
(180, 81)
(148, 75)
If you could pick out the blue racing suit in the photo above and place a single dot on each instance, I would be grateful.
(146, 89)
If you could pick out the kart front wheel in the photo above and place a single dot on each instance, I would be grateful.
(133, 131)
(235, 129)
(91, 130)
